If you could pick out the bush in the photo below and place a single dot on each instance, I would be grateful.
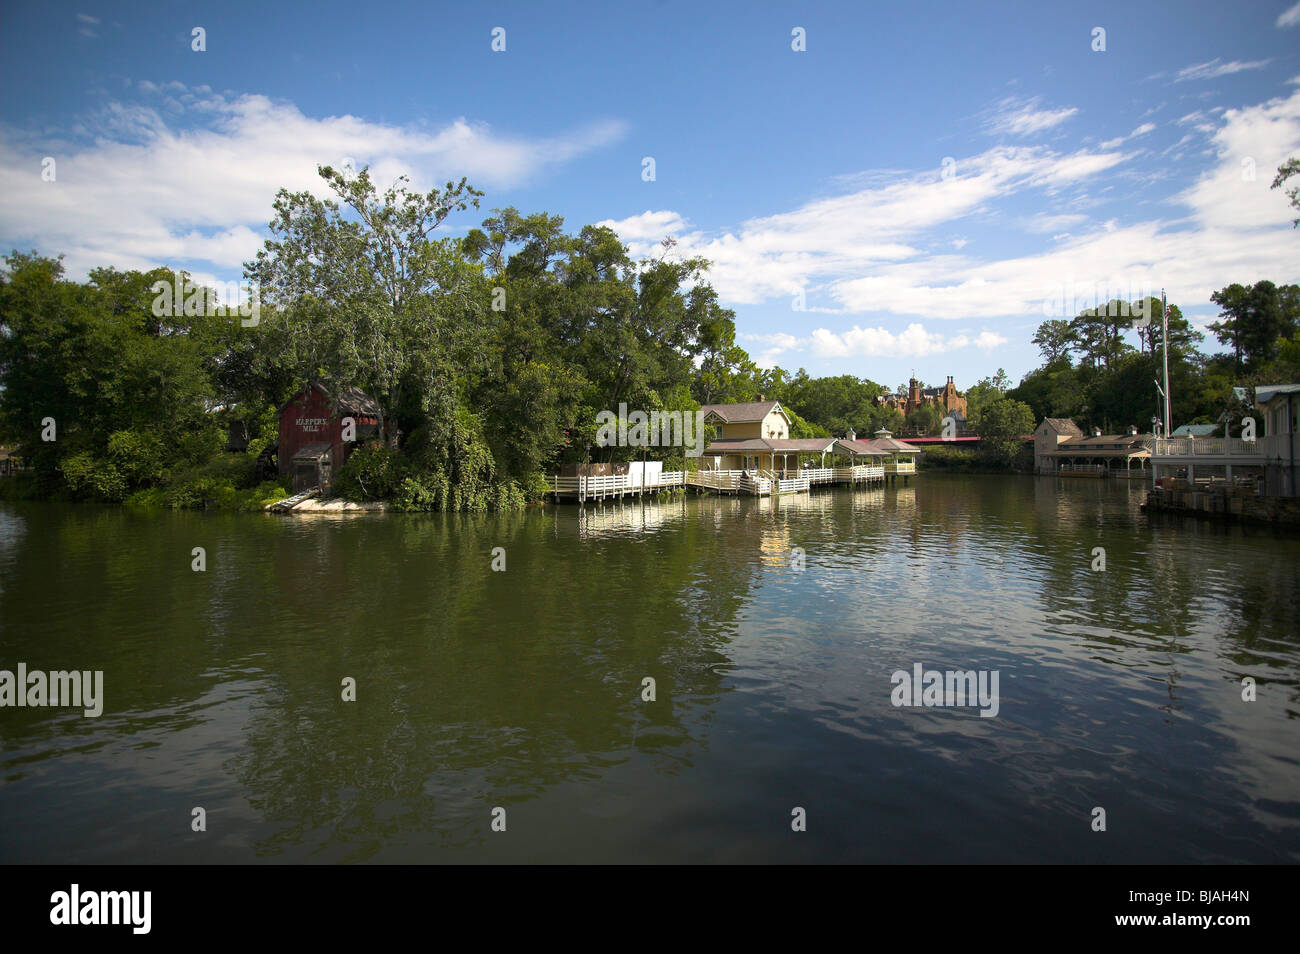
(373, 472)
(95, 479)
(535, 488)
(423, 492)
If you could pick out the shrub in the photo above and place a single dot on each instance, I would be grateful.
(95, 479)
(373, 472)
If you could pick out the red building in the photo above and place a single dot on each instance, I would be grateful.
(312, 440)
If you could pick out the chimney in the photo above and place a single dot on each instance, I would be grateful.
(851, 435)
(1132, 430)
(1096, 432)
(760, 398)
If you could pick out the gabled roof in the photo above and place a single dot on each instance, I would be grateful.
(1193, 430)
(1266, 393)
(357, 401)
(350, 400)
(742, 413)
(1063, 425)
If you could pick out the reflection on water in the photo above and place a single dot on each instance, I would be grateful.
(523, 688)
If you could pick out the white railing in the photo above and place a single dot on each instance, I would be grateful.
(860, 472)
(786, 485)
(1083, 468)
(900, 467)
(819, 475)
(1275, 445)
(605, 485)
(715, 479)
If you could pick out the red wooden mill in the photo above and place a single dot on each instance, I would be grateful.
(312, 444)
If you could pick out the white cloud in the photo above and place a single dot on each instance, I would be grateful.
(1020, 117)
(887, 251)
(1046, 222)
(825, 240)
(648, 226)
(1215, 68)
(1289, 17)
(87, 18)
(1120, 140)
(194, 177)
(914, 341)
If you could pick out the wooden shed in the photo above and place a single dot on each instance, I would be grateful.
(312, 444)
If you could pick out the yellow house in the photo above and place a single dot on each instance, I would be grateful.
(756, 437)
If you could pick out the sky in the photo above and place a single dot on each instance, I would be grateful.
(883, 189)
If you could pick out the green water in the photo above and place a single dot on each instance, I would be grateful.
(522, 689)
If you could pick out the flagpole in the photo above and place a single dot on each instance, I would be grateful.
(1164, 312)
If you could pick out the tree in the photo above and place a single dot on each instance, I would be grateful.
(1056, 339)
(128, 391)
(1284, 172)
(1002, 424)
(1100, 333)
(1254, 318)
(984, 391)
(376, 301)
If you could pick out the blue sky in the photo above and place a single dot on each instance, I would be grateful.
(917, 189)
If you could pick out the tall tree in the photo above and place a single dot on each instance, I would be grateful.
(1284, 172)
(1056, 340)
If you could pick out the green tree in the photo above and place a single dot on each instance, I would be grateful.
(1284, 172)
(1001, 425)
(1253, 318)
(1056, 340)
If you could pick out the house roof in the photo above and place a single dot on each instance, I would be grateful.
(1130, 445)
(741, 413)
(357, 401)
(350, 400)
(1266, 393)
(891, 445)
(1064, 451)
(866, 448)
(748, 445)
(314, 451)
(1193, 430)
(1063, 425)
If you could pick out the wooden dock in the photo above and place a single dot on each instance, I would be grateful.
(754, 483)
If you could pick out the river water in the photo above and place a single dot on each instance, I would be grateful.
(771, 629)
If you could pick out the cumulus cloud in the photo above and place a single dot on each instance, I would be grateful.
(914, 341)
(1289, 17)
(866, 230)
(191, 174)
(887, 250)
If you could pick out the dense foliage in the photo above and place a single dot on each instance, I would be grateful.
(490, 356)
(1102, 368)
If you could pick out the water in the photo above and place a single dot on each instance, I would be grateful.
(522, 689)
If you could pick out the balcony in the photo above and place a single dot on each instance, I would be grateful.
(1221, 449)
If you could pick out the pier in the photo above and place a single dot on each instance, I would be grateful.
(757, 483)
